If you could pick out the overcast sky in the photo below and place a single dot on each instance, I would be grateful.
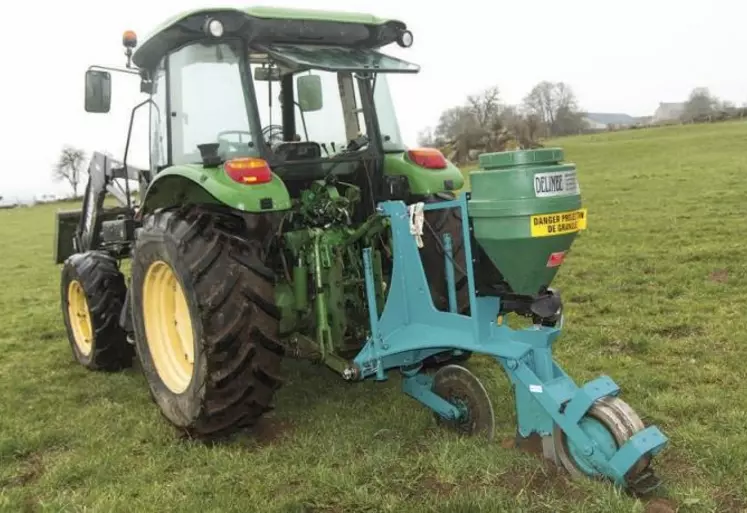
(618, 57)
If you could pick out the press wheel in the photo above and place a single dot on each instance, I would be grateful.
(610, 422)
(461, 388)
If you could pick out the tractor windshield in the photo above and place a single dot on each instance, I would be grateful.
(329, 125)
(334, 92)
(340, 118)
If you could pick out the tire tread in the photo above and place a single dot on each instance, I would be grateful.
(105, 289)
(243, 369)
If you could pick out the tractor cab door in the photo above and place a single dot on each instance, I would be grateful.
(159, 156)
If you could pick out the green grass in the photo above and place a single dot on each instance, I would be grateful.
(656, 298)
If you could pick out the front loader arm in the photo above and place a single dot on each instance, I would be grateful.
(78, 231)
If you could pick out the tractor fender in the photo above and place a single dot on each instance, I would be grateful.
(182, 184)
(421, 181)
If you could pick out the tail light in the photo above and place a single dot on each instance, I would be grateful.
(248, 171)
(556, 259)
(429, 158)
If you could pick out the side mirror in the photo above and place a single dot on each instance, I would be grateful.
(98, 91)
(309, 89)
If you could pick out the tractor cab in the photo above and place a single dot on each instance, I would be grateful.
(299, 95)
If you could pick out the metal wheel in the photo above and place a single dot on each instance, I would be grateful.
(80, 319)
(462, 388)
(205, 327)
(168, 327)
(610, 422)
(92, 292)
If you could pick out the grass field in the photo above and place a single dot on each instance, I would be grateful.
(656, 295)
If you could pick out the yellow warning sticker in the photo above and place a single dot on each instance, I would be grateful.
(558, 223)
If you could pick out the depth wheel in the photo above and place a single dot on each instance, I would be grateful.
(610, 422)
(92, 291)
(206, 327)
(461, 388)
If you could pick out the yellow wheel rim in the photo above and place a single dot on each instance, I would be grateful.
(80, 317)
(168, 327)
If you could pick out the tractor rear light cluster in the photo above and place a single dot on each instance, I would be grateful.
(429, 158)
(248, 171)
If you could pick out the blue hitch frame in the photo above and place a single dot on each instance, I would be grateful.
(410, 329)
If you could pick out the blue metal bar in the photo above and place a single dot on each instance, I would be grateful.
(419, 387)
(455, 203)
(543, 364)
(647, 441)
(373, 315)
(371, 295)
(449, 263)
(468, 263)
(585, 397)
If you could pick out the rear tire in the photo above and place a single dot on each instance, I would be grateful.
(437, 223)
(92, 293)
(223, 318)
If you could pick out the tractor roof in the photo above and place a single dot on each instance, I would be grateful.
(270, 25)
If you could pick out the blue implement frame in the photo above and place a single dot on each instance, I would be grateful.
(411, 329)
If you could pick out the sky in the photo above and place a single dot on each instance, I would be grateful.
(617, 56)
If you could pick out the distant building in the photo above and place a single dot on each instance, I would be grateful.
(606, 121)
(668, 112)
(7, 203)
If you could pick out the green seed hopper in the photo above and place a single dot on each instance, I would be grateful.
(526, 210)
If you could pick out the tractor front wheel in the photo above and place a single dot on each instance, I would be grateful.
(92, 291)
(206, 327)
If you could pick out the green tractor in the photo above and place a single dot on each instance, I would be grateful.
(283, 216)
(253, 124)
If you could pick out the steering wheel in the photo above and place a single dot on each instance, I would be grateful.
(272, 133)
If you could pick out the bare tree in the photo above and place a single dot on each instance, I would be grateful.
(69, 167)
(455, 122)
(426, 138)
(486, 107)
(565, 97)
(556, 107)
(541, 102)
(700, 106)
(483, 123)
